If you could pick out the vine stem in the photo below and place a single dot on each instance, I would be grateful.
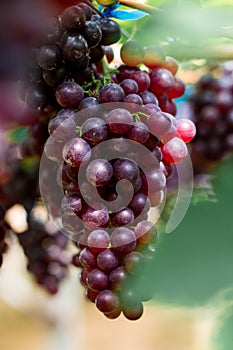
(139, 6)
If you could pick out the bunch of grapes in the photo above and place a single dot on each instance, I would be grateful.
(212, 111)
(46, 251)
(113, 142)
(114, 157)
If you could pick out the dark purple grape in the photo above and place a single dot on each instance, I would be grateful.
(75, 48)
(55, 76)
(98, 240)
(123, 240)
(49, 57)
(148, 97)
(140, 203)
(161, 81)
(109, 53)
(129, 86)
(94, 131)
(125, 169)
(36, 98)
(91, 295)
(72, 204)
(134, 103)
(96, 54)
(142, 79)
(97, 280)
(107, 301)
(62, 128)
(92, 33)
(111, 31)
(122, 218)
(86, 9)
(111, 93)
(95, 217)
(69, 94)
(99, 172)
(88, 102)
(139, 132)
(76, 152)
(119, 120)
(107, 260)
(87, 258)
(73, 18)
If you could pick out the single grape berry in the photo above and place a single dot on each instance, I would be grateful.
(76, 151)
(175, 150)
(132, 53)
(69, 94)
(154, 56)
(111, 93)
(186, 129)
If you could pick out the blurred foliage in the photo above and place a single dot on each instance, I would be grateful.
(187, 29)
(223, 338)
(194, 263)
(19, 134)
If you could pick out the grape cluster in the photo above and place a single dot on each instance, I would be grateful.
(3, 230)
(46, 252)
(114, 139)
(212, 111)
(113, 168)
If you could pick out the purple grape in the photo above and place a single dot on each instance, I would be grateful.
(73, 18)
(140, 203)
(159, 123)
(62, 128)
(99, 172)
(107, 301)
(49, 57)
(161, 81)
(156, 180)
(122, 218)
(98, 240)
(94, 131)
(111, 93)
(148, 98)
(119, 120)
(97, 280)
(123, 240)
(111, 31)
(76, 152)
(72, 204)
(125, 169)
(95, 217)
(69, 94)
(139, 132)
(92, 33)
(87, 258)
(107, 260)
(129, 86)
